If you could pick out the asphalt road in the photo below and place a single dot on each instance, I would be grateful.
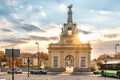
(54, 76)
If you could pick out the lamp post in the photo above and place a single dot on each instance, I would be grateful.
(116, 48)
(38, 52)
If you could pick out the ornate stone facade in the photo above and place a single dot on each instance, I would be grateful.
(69, 52)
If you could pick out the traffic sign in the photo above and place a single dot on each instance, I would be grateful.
(16, 52)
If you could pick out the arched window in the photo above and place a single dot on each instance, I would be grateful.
(69, 32)
(69, 61)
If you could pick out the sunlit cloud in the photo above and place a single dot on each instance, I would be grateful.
(107, 35)
(63, 7)
(89, 37)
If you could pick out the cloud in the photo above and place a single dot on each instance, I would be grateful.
(17, 16)
(31, 28)
(86, 28)
(110, 36)
(4, 23)
(107, 34)
(30, 7)
(6, 30)
(42, 13)
(43, 38)
(103, 12)
(13, 40)
(11, 2)
(5, 46)
(63, 7)
(85, 32)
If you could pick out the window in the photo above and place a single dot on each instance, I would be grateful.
(69, 32)
(55, 61)
(82, 61)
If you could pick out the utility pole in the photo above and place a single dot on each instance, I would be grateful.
(38, 53)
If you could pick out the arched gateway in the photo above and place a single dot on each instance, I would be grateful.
(69, 61)
(69, 51)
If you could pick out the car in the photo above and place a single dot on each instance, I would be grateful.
(96, 71)
(38, 71)
(16, 71)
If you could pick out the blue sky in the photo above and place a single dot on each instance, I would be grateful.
(23, 22)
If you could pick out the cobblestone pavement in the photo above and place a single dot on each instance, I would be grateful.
(50, 76)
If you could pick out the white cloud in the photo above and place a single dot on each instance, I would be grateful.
(30, 7)
(4, 23)
(103, 12)
(31, 23)
(17, 16)
(52, 30)
(42, 13)
(63, 7)
(13, 3)
(86, 27)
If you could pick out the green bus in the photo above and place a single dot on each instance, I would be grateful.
(111, 68)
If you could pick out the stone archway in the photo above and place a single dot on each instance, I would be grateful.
(69, 63)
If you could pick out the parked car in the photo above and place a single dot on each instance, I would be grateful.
(16, 71)
(96, 71)
(39, 71)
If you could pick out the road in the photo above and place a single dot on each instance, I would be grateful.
(54, 76)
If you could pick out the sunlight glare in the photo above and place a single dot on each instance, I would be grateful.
(89, 37)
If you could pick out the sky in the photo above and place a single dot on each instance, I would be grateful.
(25, 22)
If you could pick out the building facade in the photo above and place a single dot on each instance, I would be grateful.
(69, 52)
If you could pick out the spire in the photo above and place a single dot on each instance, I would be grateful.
(69, 13)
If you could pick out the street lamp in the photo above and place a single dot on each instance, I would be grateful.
(116, 48)
(38, 52)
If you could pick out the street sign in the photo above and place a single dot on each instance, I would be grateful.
(16, 52)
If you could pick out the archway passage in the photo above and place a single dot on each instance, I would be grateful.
(69, 63)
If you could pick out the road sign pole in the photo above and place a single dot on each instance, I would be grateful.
(12, 64)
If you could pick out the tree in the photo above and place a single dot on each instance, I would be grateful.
(117, 56)
(104, 57)
(1, 54)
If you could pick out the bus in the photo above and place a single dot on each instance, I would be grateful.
(110, 68)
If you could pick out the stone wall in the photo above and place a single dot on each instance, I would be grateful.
(82, 69)
(55, 69)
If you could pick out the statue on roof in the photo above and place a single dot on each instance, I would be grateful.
(69, 13)
(70, 6)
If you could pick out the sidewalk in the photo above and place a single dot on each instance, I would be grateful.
(3, 73)
(70, 73)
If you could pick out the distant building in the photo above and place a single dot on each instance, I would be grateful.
(25, 57)
(33, 60)
(69, 52)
